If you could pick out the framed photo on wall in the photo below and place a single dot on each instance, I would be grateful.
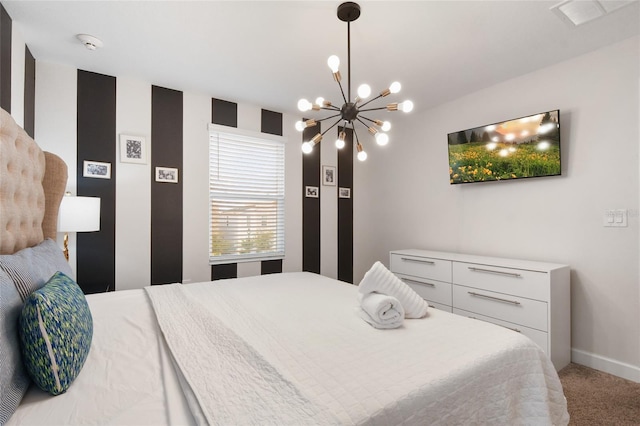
(96, 169)
(344, 192)
(166, 174)
(329, 176)
(133, 149)
(311, 191)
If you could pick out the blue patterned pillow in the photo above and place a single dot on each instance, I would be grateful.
(56, 328)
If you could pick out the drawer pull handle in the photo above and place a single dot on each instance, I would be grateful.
(503, 326)
(515, 302)
(490, 271)
(407, 280)
(428, 262)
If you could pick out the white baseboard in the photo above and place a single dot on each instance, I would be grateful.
(608, 365)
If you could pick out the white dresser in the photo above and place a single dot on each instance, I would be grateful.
(532, 298)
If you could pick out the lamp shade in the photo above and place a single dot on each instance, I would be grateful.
(79, 214)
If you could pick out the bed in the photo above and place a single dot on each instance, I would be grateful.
(276, 349)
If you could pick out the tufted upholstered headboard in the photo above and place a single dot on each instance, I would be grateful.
(32, 183)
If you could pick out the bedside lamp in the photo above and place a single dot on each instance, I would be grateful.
(78, 214)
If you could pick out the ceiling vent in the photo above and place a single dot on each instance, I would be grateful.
(578, 12)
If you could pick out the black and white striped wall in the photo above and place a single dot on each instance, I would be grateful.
(151, 232)
(158, 232)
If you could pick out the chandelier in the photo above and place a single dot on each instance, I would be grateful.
(351, 111)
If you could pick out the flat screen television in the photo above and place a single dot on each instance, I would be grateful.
(519, 148)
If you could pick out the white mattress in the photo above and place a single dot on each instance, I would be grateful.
(443, 369)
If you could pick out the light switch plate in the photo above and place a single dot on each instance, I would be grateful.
(615, 218)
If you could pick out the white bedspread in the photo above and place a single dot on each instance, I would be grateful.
(231, 382)
(440, 370)
(127, 379)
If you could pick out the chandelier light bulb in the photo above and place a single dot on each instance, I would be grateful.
(362, 156)
(320, 101)
(300, 126)
(334, 63)
(304, 105)
(382, 139)
(307, 147)
(340, 143)
(386, 126)
(364, 91)
(406, 106)
(395, 87)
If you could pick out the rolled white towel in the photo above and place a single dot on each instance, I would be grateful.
(381, 310)
(380, 280)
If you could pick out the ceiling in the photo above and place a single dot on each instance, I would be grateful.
(272, 53)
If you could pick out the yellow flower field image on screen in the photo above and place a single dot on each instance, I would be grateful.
(519, 148)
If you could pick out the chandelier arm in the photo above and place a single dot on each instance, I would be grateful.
(373, 109)
(356, 134)
(331, 108)
(366, 118)
(326, 118)
(362, 122)
(370, 100)
(332, 126)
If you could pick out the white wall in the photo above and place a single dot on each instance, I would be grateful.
(293, 196)
(133, 183)
(329, 210)
(409, 202)
(56, 123)
(195, 187)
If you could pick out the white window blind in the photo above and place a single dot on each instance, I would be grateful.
(246, 196)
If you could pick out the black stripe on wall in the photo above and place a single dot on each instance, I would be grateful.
(271, 266)
(271, 122)
(5, 59)
(224, 113)
(96, 132)
(29, 92)
(345, 210)
(310, 205)
(221, 272)
(166, 198)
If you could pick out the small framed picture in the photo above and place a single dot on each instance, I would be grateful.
(311, 191)
(96, 169)
(329, 175)
(166, 174)
(133, 149)
(344, 192)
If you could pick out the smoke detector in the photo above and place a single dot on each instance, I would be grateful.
(89, 41)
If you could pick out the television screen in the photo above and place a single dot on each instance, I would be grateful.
(519, 148)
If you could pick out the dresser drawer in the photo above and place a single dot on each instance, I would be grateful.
(540, 338)
(517, 310)
(424, 267)
(524, 283)
(430, 290)
(440, 307)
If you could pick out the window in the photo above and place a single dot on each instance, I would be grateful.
(246, 195)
